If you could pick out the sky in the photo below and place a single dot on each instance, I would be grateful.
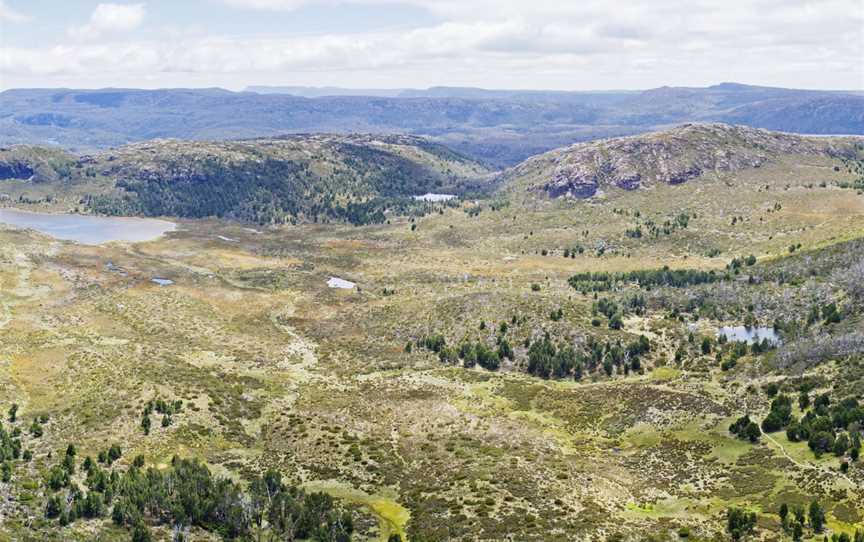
(513, 44)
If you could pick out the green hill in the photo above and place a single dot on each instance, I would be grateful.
(289, 179)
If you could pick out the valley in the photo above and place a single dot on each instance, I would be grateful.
(607, 269)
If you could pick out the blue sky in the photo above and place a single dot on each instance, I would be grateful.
(556, 44)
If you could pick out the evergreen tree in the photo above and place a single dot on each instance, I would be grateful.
(53, 507)
(817, 516)
(797, 531)
(740, 522)
(140, 533)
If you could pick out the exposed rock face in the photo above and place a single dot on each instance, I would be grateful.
(34, 164)
(672, 157)
(15, 170)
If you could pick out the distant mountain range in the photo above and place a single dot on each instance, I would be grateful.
(499, 127)
(471, 93)
(320, 92)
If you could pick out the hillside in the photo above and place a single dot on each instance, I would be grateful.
(499, 127)
(505, 367)
(294, 178)
(670, 157)
(41, 164)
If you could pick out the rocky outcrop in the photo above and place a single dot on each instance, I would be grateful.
(35, 164)
(670, 157)
(15, 170)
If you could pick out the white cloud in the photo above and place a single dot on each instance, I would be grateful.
(273, 5)
(109, 18)
(492, 43)
(455, 43)
(10, 15)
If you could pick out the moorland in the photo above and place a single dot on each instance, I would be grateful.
(535, 359)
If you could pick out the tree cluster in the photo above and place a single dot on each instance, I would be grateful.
(187, 494)
(547, 360)
(601, 281)
(745, 429)
(740, 522)
(830, 428)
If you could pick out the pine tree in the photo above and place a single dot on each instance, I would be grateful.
(784, 516)
(817, 516)
(140, 533)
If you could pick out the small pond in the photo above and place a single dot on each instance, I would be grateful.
(162, 282)
(749, 334)
(87, 230)
(434, 197)
(336, 282)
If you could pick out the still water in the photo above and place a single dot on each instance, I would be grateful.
(87, 230)
(749, 334)
(336, 282)
(435, 197)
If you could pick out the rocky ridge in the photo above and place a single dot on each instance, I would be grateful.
(672, 156)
